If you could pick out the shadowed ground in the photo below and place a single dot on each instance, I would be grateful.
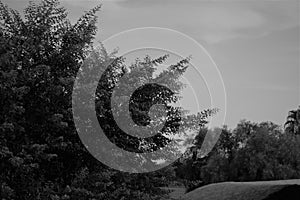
(175, 192)
(266, 190)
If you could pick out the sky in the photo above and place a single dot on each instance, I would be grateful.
(254, 43)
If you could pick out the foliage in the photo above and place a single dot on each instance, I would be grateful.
(250, 152)
(41, 154)
(292, 124)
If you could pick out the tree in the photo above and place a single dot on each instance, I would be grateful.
(41, 155)
(292, 124)
(40, 152)
(250, 152)
(268, 155)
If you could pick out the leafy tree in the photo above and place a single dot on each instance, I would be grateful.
(41, 154)
(268, 155)
(250, 152)
(40, 53)
(292, 124)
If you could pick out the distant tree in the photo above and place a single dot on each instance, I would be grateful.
(268, 155)
(250, 152)
(292, 124)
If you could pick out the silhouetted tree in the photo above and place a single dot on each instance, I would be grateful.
(292, 124)
(41, 155)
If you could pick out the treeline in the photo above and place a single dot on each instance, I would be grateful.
(250, 152)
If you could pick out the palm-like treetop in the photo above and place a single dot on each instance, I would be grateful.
(292, 124)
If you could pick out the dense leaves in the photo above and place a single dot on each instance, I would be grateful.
(40, 151)
(250, 152)
(41, 154)
(292, 124)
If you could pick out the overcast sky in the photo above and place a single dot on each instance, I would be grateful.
(255, 44)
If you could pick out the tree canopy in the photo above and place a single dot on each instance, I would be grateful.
(250, 152)
(41, 154)
(292, 124)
